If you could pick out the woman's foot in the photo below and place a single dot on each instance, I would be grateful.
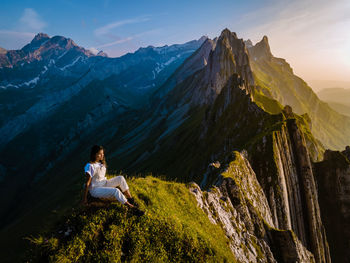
(129, 204)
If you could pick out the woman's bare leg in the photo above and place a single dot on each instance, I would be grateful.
(127, 194)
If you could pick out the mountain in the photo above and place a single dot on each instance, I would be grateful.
(215, 126)
(339, 95)
(318, 85)
(339, 107)
(42, 48)
(275, 79)
(337, 98)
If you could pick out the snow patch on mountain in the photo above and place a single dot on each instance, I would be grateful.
(161, 66)
(65, 52)
(71, 64)
(33, 81)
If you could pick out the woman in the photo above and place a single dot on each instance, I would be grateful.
(101, 187)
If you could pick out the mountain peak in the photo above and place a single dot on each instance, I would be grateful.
(264, 47)
(248, 43)
(202, 39)
(228, 60)
(40, 37)
(261, 49)
(37, 41)
(102, 54)
(265, 40)
(227, 33)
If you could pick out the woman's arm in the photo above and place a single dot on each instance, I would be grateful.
(88, 182)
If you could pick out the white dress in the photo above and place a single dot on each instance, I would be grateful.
(104, 188)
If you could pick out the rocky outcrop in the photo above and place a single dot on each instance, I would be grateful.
(238, 204)
(261, 49)
(346, 152)
(333, 179)
(284, 170)
(192, 64)
(229, 57)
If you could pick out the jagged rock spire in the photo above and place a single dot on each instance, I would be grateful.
(229, 57)
(261, 49)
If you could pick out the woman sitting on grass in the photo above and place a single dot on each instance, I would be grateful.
(101, 187)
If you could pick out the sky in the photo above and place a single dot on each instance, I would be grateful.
(312, 35)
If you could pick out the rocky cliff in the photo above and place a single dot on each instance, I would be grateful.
(282, 162)
(333, 179)
(238, 204)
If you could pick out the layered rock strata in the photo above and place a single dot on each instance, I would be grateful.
(238, 204)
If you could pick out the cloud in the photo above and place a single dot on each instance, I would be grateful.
(115, 42)
(107, 28)
(31, 20)
(123, 40)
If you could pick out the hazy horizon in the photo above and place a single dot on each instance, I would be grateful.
(312, 37)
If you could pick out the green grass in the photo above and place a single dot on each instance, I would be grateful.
(173, 229)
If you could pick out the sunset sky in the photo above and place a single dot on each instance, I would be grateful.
(313, 36)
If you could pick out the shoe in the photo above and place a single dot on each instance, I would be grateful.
(132, 201)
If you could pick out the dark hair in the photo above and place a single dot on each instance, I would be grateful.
(94, 150)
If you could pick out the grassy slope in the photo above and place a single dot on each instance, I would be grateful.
(174, 229)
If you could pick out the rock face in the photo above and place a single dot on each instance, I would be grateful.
(261, 50)
(238, 204)
(284, 170)
(333, 179)
(346, 152)
(229, 57)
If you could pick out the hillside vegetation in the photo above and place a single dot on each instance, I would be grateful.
(173, 229)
